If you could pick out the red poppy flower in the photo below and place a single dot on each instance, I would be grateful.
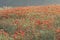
(22, 33)
(57, 31)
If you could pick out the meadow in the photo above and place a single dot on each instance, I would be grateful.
(30, 23)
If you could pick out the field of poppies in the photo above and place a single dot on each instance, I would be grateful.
(30, 23)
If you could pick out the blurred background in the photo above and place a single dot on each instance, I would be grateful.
(16, 3)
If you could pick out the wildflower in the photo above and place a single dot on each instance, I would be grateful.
(47, 21)
(57, 31)
(22, 33)
(39, 22)
(5, 33)
(16, 32)
(14, 35)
